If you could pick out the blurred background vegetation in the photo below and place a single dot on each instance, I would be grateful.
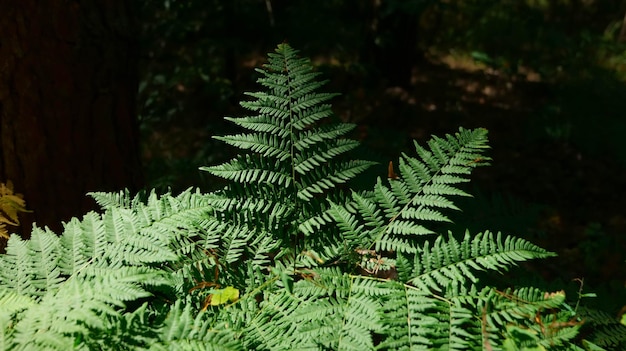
(546, 77)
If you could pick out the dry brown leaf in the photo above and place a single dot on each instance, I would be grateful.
(3, 231)
(10, 205)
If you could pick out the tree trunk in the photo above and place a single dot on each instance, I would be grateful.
(68, 84)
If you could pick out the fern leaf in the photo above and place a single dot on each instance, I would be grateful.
(251, 170)
(184, 329)
(54, 323)
(16, 268)
(408, 325)
(269, 146)
(122, 199)
(294, 159)
(603, 329)
(451, 262)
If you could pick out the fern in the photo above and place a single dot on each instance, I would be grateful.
(450, 263)
(286, 256)
(296, 158)
(79, 284)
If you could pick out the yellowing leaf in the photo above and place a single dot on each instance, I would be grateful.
(3, 231)
(10, 205)
(223, 296)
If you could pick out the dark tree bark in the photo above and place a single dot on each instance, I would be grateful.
(68, 83)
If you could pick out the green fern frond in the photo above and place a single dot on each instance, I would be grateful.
(397, 212)
(353, 332)
(79, 307)
(20, 270)
(186, 329)
(521, 306)
(293, 161)
(252, 170)
(270, 146)
(129, 332)
(323, 312)
(307, 161)
(271, 328)
(329, 176)
(351, 230)
(11, 303)
(81, 282)
(452, 262)
(557, 331)
(603, 329)
(408, 325)
(122, 199)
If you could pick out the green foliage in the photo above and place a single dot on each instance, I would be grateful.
(285, 256)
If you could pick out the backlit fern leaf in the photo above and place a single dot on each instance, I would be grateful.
(56, 322)
(420, 195)
(408, 325)
(451, 262)
(325, 312)
(121, 199)
(185, 329)
(81, 282)
(271, 328)
(293, 160)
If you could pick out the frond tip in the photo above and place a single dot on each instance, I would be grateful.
(288, 144)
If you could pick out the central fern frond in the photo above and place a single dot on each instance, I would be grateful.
(295, 154)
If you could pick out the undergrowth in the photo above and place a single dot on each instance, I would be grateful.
(287, 256)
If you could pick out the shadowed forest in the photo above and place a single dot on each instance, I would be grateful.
(546, 78)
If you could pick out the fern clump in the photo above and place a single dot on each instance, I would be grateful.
(286, 256)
